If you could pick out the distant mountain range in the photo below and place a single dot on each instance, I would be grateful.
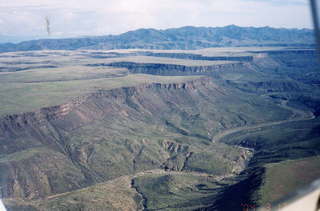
(15, 39)
(188, 37)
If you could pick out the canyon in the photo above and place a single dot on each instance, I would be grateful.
(155, 129)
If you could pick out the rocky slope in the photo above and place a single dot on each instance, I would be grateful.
(118, 132)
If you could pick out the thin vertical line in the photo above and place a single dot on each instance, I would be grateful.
(315, 17)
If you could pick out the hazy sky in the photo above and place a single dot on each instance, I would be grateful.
(96, 17)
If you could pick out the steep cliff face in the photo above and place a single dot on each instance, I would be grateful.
(109, 133)
(196, 56)
(173, 69)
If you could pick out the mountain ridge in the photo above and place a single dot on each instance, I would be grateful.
(184, 38)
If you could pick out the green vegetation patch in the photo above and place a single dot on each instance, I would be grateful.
(286, 177)
(176, 192)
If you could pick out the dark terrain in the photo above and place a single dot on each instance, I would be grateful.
(157, 130)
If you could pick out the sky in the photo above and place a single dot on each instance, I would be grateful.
(101, 17)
